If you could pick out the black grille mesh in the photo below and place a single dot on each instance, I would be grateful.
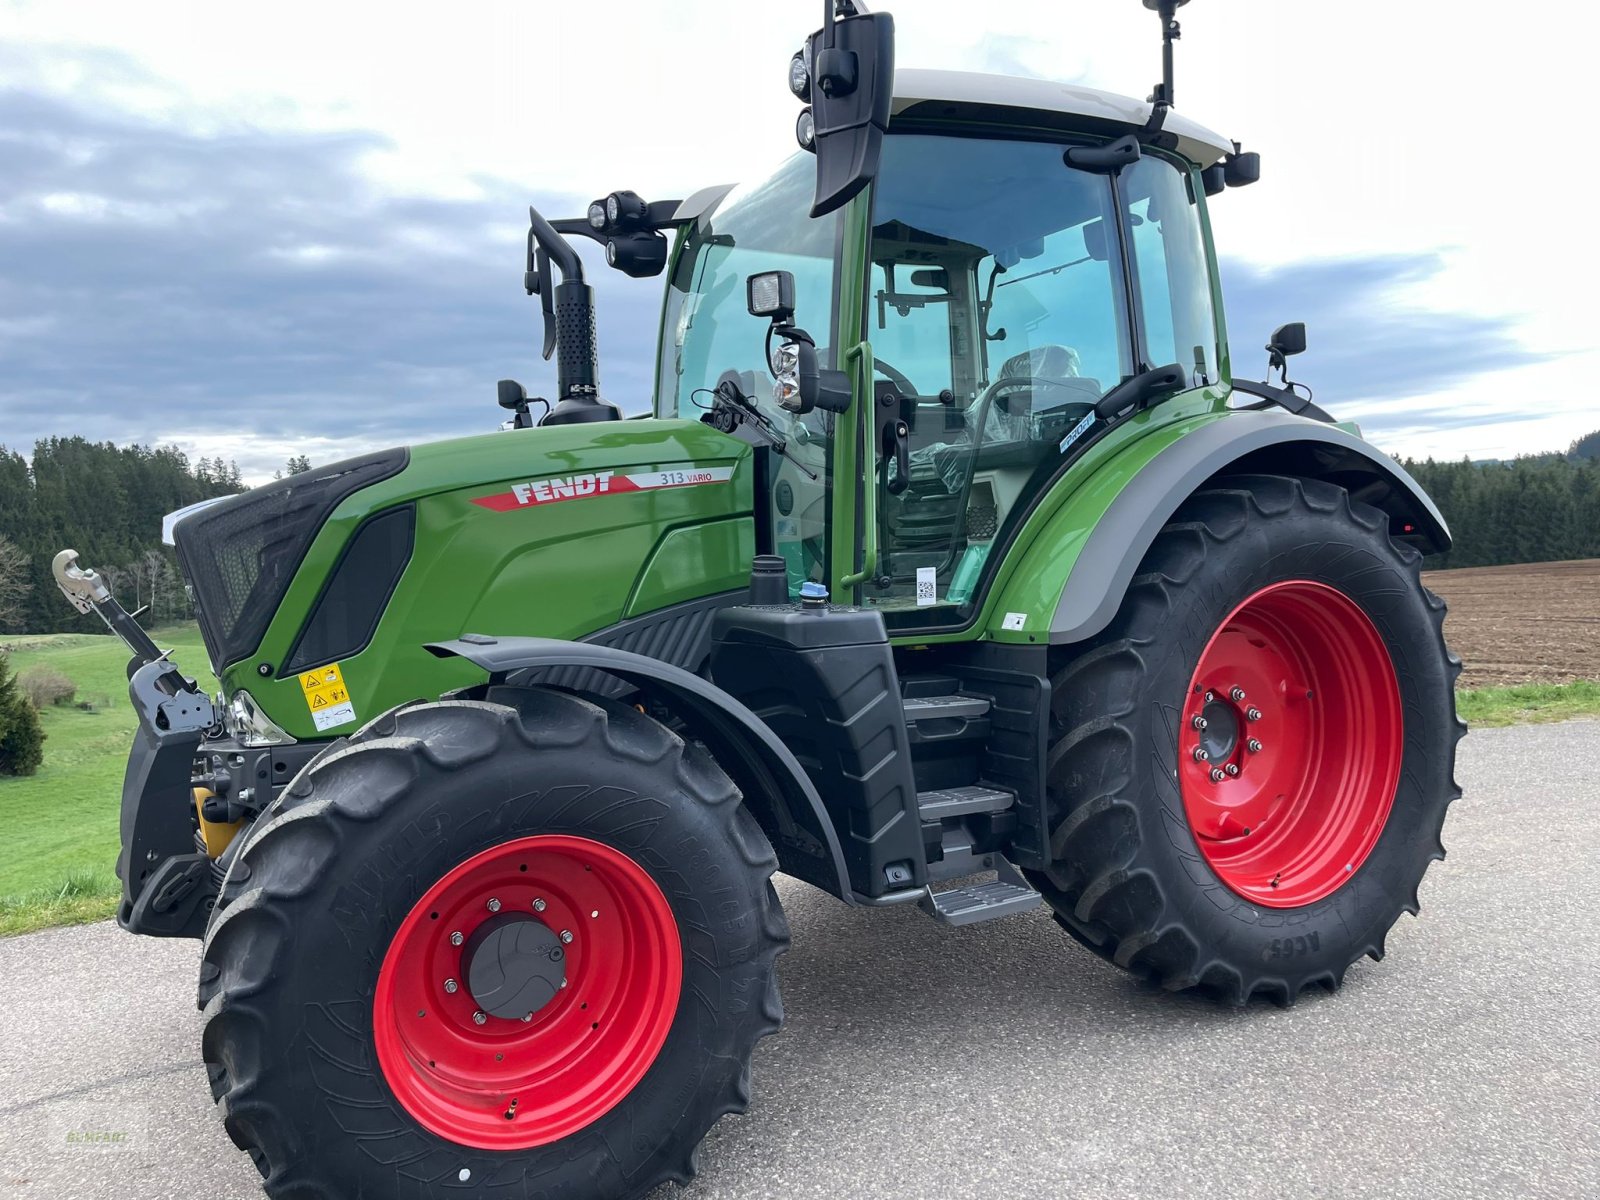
(240, 555)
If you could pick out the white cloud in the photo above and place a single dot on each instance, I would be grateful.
(1384, 127)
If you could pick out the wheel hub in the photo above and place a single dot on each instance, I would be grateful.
(1219, 737)
(514, 965)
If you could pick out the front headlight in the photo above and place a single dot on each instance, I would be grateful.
(250, 725)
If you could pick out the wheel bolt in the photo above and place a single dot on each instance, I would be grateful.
(1232, 769)
(1199, 722)
(1217, 775)
(1237, 694)
(450, 985)
(456, 939)
(494, 905)
(1200, 754)
(566, 936)
(1209, 697)
(1253, 745)
(1252, 714)
(478, 1018)
(538, 905)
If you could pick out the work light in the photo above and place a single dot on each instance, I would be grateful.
(805, 130)
(800, 78)
(771, 294)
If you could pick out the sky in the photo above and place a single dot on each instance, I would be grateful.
(260, 230)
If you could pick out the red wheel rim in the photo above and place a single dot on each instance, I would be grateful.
(1289, 752)
(510, 1083)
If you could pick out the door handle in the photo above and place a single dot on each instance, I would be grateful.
(897, 445)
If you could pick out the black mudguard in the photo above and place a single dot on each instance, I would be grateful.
(776, 788)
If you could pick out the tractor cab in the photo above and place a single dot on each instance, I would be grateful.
(1005, 279)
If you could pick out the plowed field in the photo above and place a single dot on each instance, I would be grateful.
(1533, 623)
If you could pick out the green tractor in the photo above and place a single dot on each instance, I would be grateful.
(953, 568)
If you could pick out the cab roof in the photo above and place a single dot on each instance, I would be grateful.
(1007, 99)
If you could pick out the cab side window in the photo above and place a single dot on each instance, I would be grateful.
(1171, 276)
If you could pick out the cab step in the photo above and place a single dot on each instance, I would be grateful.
(927, 708)
(966, 904)
(939, 803)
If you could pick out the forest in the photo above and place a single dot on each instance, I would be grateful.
(107, 501)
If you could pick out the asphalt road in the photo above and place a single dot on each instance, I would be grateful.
(1002, 1060)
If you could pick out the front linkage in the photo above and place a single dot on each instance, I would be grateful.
(181, 763)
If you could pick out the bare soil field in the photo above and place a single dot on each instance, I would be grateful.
(1531, 623)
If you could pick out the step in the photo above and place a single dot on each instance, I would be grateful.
(926, 708)
(1005, 895)
(940, 803)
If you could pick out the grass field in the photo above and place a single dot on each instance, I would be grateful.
(58, 829)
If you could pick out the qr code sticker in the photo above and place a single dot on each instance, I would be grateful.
(927, 586)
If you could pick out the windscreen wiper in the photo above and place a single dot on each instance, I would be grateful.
(732, 410)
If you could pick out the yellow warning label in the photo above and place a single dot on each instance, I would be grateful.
(326, 696)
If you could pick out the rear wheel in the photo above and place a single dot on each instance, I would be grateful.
(1251, 766)
(521, 947)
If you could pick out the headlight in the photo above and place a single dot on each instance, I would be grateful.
(786, 372)
(597, 216)
(250, 725)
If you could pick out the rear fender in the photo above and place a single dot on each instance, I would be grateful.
(1074, 574)
(776, 788)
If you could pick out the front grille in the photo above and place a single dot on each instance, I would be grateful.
(239, 556)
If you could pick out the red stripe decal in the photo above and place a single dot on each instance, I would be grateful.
(586, 485)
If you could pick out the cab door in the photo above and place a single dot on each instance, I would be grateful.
(1006, 293)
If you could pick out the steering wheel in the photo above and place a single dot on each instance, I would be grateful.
(896, 377)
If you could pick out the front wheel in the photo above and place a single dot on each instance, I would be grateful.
(521, 947)
(1250, 768)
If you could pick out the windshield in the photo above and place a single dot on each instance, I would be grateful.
(707, 327)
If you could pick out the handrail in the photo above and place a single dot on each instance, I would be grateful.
(860, 356)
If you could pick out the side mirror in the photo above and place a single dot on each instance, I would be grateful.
(846, 76)
(512, 395)
(1288, 340)
(1241, 170)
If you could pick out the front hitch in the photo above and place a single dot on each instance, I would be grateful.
(168, 887)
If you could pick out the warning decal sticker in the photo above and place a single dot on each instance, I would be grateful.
(326, 697)
(586, 485)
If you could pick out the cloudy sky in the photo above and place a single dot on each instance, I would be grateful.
(264, 229)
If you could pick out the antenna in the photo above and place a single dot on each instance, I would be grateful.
(1171, 31)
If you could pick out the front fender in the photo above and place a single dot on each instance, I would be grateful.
(776, 788)
(1073, 575)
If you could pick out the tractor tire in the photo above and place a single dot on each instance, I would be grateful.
(1288, 850)
(413, 892)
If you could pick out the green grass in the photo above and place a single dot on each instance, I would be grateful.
(1529, 702)
(58, 828)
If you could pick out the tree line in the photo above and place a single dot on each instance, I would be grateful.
(1538, 508)
(106, 502)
